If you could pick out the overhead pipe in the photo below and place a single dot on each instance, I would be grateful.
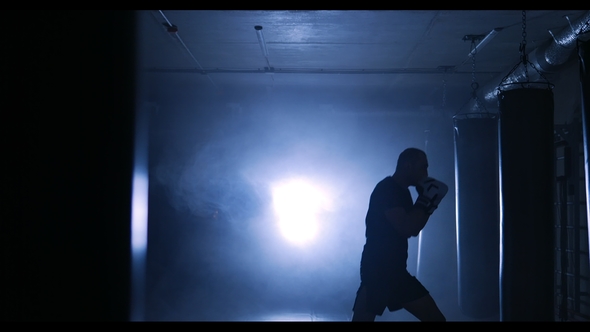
(261, 41)
(173, 30)
(546, 59)
(484, 41)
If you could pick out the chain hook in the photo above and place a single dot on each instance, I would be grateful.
(444, 94)
(474, 84)
(524, 61)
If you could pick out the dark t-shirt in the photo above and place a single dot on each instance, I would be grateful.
(385, 251)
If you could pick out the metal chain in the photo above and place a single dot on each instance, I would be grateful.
(524, 61)
(444, 96)
(474, 84)
(523, 55)
(474, 50)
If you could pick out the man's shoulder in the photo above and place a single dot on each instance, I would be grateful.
(383, 184)
(389, 184)
(388, 187)
(387, 181)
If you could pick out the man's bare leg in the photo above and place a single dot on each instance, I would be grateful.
(425, 309)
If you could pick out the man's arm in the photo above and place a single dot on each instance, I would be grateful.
(407, 223)
(430, 193)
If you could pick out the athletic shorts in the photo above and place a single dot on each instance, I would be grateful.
(402, 289)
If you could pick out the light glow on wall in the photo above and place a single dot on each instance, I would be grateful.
(297, 203)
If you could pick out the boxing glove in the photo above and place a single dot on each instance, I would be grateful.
(430, 193)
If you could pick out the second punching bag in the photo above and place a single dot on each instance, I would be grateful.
(526, 204)
(477, 213)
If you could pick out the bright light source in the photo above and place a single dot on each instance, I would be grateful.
(139, 213)
(297, 204)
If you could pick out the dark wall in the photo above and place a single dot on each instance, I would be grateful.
(69, 81)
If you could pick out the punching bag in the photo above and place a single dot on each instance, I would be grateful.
(584, 56)
(526, 204)
(477, 213)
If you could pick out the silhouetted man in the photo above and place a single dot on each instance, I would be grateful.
(391, 219)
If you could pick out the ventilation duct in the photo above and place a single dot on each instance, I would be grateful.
(546, 59)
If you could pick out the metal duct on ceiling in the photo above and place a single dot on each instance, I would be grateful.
(546, 58)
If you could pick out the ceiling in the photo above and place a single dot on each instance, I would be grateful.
(417, 55)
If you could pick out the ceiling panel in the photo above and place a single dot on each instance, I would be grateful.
(391, 50)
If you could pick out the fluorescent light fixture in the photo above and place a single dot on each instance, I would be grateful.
(485, 41)
(260, 36)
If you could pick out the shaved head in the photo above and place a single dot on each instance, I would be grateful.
(412, 167)
(409, 155)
